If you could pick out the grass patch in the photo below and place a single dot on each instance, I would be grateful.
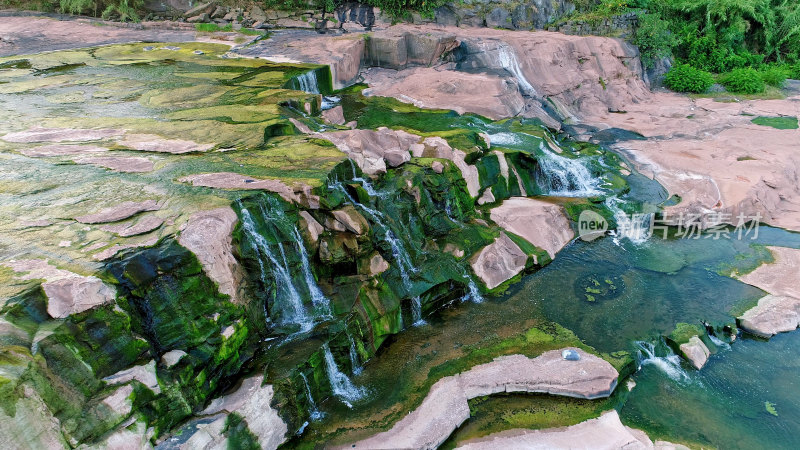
(213, 28)
(781, 123)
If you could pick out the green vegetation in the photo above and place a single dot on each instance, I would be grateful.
(123, 10)
(781, 123)
(744, 81)
(685, 78)
(716, 36)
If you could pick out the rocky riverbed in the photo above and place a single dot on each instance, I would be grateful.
(361, 239)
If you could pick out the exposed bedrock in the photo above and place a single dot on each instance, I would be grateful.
(540, 74)
(445, 407)
(604, 432)
(780, 311)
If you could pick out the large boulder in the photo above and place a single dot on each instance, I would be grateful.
(207, 234)
(780, 311)
(499, 261)
(695, 351)
(373, 150)
(541, 223)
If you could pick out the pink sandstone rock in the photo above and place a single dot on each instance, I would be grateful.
(445, 407)
(541, 223)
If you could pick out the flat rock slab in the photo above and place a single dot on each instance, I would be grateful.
(207, 234)
(145, 374)
(499, 261)
(61, 150)
(780, 311)
(67, 292)
(39, 134)
(153, 143)
(603, 433)
(445, 407)
(129, 164)
(119, 212)
(144, 225)
(232, 180)
(541, 223)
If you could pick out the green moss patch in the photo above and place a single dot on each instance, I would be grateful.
(781, 123)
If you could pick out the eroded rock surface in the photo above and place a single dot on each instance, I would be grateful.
(499, 261)
(119, 212)
(208, 235)
(780, 311)
(445, 407)
(373, 150)
(604, 432)
(67, 293)
(153, 143)
(39, 134)
(232, 180)
(541, 223)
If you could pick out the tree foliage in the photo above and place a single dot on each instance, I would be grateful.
(685, 78)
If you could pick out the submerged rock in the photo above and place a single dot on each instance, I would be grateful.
(445, 407)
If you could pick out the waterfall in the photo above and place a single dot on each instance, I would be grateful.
(365, 183)
(637, 228)
(473, 293)
(507, 59)
(329, 101)
(342, 387)
(354, 356)
(416, 311)
(314, 412)
(307, 82)
(321, 303)
(296, 313)
(565, 177)
(670, 364)
(719, 342)
(399, 251)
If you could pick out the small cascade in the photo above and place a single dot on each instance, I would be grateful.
(354, 356)
(416, 311)
(399, 251)
(321, 303)
(507, 59)
(329, 101)
(637, 228)
(365, 183)
(565, 177)
(342, 387)
(722, 345)
(280, 269)
(669, 364)
(473, 293)
(314, 413)
(307, 82)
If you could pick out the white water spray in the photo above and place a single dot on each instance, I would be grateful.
(342, 387)
(670, 364)
(313, 412)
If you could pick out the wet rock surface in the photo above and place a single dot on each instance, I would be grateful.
(780, 311)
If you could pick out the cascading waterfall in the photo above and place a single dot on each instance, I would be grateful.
(637, 228)
(565, 177)
(473, 293)
(508, 61)
(416, 311)
(669, 364)
(342, 387)
(307, 82)
(321, 303)
(399, 251)
(314, 413)
(354, 356)
(297, 313)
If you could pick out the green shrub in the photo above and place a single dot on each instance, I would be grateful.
(123, 10)
(743, 81)
(794, 71)
(774, 75)
(653, 38)
(685, 78)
